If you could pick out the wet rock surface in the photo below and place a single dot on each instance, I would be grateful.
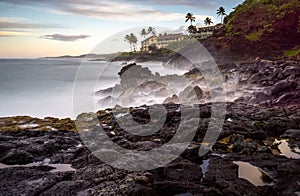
(248, 135)
(278, 81)
(262, 131)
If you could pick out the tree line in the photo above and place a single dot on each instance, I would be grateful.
(208, 21)
(132, 39)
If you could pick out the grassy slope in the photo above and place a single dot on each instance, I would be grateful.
(264, 28)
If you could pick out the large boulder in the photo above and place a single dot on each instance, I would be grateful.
(258, 97)
(172, 100)
(17, 156)
(283, 86)
(108, 101)
(291, 70)
(188, 94)
(257, 78)
(132, 74)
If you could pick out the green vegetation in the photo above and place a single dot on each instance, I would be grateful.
(271, 10)
(144, 33)
(125, 54)
(177, 46)
(221, 12)
(190, 17)
(254, 36)
(151, 30)
(166, 51)
(192, 29)
(293, 52)
(208, 21)
(132, 40)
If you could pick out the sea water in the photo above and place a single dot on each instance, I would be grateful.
(44, 87)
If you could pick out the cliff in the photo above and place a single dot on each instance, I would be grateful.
(260, 28)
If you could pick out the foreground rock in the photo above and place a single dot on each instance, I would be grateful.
(47, 162)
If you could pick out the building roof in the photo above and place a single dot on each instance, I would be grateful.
(169, 36)
(164, 37)
(148, 38)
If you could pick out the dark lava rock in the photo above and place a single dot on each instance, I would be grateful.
(132, 74)
(69, 187)
(191, 94)
(291, 70)
(248, 135)
(17, 156)
(282, 86)
(172, 100)
(291, 133)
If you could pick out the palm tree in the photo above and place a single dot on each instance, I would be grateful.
(208, 21)
(192, 29)
(127, 39)
(191, 17)
(133, 39)
(221, 12)
(143, 33)
(151, 30)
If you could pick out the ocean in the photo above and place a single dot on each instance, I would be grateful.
(44, 87)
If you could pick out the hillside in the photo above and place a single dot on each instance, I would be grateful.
(260, 28)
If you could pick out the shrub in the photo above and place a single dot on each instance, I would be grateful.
(292, 52)
(254, 36)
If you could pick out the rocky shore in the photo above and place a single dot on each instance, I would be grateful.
(257, 151)
(142, 57)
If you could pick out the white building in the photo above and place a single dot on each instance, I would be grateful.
(161, 41)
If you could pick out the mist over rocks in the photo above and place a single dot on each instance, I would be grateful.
(138, 85)
(259, 81)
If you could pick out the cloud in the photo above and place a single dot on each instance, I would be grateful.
(201, 4)
(181, 29)
(68, 38)
(121, 12)
(11, 34)
(125, 10)
(191, 3)
(66, 3)
(12, 27)
(14, 23)
(108, 10)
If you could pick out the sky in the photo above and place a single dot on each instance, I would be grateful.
(39, 28)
